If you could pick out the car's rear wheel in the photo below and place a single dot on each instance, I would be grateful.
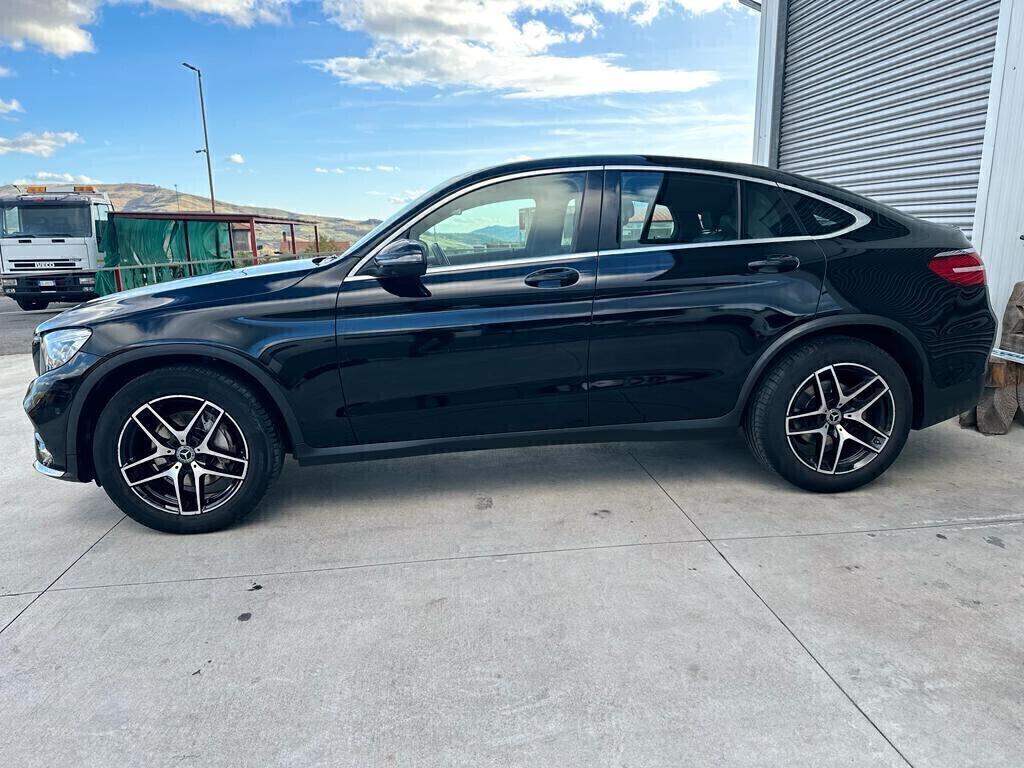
(32, 304)
(831, 415)
(186, 449)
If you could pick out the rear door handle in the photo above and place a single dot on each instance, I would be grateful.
(778, 263)
(554, 277)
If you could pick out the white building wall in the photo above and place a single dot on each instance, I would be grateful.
(999, 223)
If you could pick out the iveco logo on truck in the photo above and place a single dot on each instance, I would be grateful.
(43, 226)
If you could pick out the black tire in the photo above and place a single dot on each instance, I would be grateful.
(247, 417)
(789, 382)
(32, 304)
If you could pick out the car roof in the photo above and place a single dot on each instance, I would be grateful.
(742, 169)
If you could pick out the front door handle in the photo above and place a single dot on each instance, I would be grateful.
(778, 263)
(554, 277)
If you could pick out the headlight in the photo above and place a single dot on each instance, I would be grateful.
(61, 346)
(10, 281)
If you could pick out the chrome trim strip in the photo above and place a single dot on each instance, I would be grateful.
(42, 469)
(718, 243)
(491, 264)
(402, 226)
(860, 219)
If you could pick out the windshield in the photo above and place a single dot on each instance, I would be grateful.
(35, 219)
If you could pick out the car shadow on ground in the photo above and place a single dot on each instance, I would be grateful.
(703, 465)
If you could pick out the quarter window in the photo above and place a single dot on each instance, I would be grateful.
(677, 208)
(816, 216)
(524, 218)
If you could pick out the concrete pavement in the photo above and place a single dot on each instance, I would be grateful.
(17, 325)
(657, 604)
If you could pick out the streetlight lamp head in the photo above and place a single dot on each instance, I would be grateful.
(189, 66)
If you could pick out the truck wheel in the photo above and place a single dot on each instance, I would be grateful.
(30, 304)
(831, 415)
(186, 449)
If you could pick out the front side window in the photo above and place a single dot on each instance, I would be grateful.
(46, 220)
(524, 218)
(677, 209)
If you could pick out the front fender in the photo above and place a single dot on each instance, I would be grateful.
(170, 353)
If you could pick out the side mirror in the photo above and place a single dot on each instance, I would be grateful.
(402, 258)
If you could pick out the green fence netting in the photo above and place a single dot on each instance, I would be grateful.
(149, 251)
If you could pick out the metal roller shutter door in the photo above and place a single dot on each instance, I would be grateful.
(888, 98)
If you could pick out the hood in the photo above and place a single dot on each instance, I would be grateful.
(219, 287)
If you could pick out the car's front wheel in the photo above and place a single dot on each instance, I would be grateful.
(186, 449)
(831, 415)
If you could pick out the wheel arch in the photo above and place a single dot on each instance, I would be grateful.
(113, 373)
(882, 332)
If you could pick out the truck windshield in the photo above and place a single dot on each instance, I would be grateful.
(24, 219)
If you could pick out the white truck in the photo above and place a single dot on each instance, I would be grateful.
(50, 243)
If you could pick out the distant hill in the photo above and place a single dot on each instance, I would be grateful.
(150, 197)
(491, 235)
(499, 233)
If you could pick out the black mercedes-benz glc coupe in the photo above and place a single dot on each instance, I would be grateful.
(567, 300)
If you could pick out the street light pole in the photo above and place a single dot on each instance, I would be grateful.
(206, 138)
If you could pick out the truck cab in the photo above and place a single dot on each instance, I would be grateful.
(50, 243)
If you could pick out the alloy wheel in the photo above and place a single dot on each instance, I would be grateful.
(840, 418)
(182, 454)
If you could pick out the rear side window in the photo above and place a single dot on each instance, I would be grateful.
(816, 216)
(677, 208)
(766, 214)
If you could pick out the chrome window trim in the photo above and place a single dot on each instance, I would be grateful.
(563, 257)
(402, 226)
(860, 219)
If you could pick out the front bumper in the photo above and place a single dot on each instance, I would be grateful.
(75, 286)
(48, 404)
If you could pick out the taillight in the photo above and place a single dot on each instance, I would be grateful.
(961, 267)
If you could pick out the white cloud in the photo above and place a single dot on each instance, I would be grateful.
(6, 72)
(318, 169)
(53, 25)
(39, 144)
(489, 45)
(57, 26)
(388, 168)
(10, 106)
(242, 12)
(236, 158)
(405, 196)
(69, 178)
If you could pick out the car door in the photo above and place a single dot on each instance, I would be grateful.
(698, 273)
(493, 338)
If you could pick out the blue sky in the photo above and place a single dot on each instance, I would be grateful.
(349, 107)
